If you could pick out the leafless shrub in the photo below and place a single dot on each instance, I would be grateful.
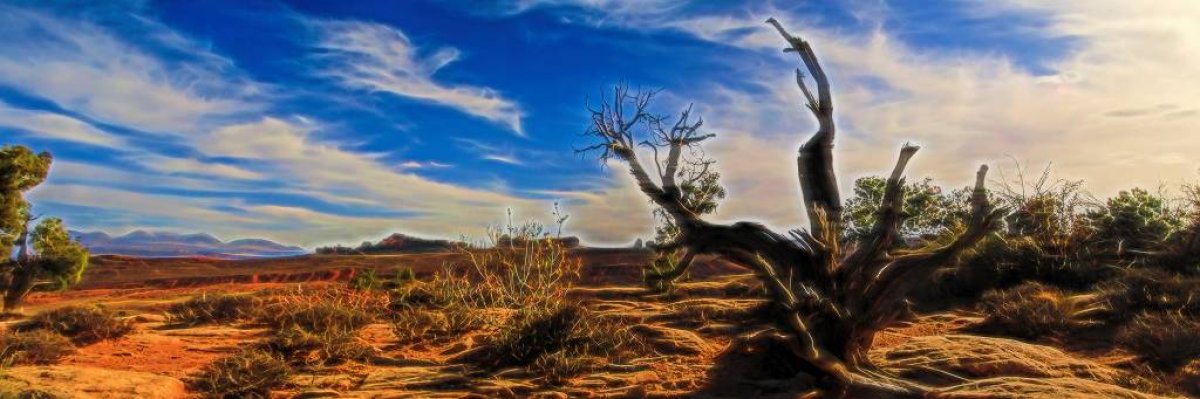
(251, 374)
(213, 308)
(34, 347)
(1033, 310)
(1165, 340)
(82, 324)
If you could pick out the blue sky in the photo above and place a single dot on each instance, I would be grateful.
(314, 122)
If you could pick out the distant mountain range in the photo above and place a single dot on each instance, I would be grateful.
(162, 244)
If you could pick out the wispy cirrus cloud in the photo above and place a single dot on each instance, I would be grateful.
(380, 58)
(57, 126)
(1116, 108)
(85, 68)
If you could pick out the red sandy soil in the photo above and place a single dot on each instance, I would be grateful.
(692, 333)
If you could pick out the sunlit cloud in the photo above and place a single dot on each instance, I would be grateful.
(379, 58)
(56, 126)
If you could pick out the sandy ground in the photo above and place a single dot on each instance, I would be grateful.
(691, 334)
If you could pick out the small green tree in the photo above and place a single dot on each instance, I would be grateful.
(1135, 220)
(927, 209)
(46, 256)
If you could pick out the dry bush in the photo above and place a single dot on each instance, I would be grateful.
(524, 268)
(34, 347)
(28, 394)
(251, 374)
(213, 308)
(366, 280)
(1033, 310)
(446, 288)
(319, 311)
(82, 324)
(1187, 377)
(1136, 291)
(531, 273)
(556, 343)
(1165, 340)
(414, 325)
(306, 349)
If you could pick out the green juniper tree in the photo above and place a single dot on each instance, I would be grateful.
(46, 255)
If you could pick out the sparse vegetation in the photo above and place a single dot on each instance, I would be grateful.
(38, 347)
(557, 343)
(318, 314)
(414, 325)
(82, 324)
(366, 280)
(1033, 310)
(251, 374)
(305, 349)
(1166, 340)
(214, 308)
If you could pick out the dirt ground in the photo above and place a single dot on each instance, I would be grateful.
(693, 333)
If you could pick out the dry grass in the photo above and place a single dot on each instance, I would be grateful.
(1147, 290)
(1033, 310)
(556, 343)
(415, 325)
(38, 347)
(1166, 341)
(305, 349)
(321, 311)
(214, 308)
(528, 270)
(82, 324)
(250, 374)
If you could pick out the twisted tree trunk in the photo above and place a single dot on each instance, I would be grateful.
(833, 300)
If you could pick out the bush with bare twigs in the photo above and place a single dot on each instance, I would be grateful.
(214, 308)
(34, 347)
(1166, 340)
(250, 374)
(556, 343)
(82, 324)
(1033, 310)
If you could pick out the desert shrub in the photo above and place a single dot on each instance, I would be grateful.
(1187, 377)
(34, 347)
(365, 280)
(1165, 340)
(1032, 310)
(1140, 290)
(524, 267)
(1135, 221)
(929, 211)
(82, 324)
(560, 342)
(306, 349)
(659, 266)
(446, 288)
(413, 325)
(213, 308)
(321, 311)
(404, 277)
(28, 394)
(556, 367)
(250, 374)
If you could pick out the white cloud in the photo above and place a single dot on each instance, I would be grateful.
(1118, 109)
(292, 153)
(189, 166)
(56, 126)
(376, 57)
(83, 68)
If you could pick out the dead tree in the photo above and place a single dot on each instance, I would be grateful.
(833, 300)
